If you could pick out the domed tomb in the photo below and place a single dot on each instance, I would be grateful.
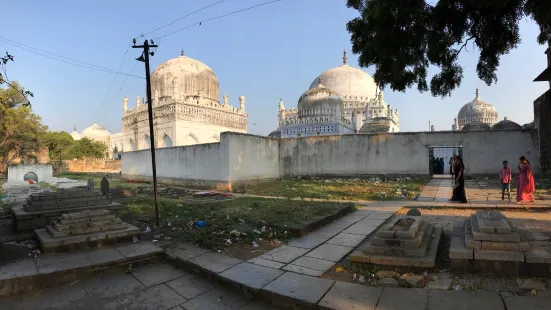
(477, 110)
(350, 83)
(275, 134)
(320, 101)
(476, 126)
(96, 133)
(75, 135)
(184, 76)
(506, 124)
(376, 125)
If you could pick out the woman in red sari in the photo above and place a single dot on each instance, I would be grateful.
(525, 184)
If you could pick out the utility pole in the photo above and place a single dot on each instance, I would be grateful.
(145, 58)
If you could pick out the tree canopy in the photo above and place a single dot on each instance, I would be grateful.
(85, 148)
(402, 38)
(57, 142)
(4, 81)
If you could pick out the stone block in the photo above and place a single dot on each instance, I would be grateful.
(250, 275)
(190, 286)
(139, 250)
(313, 263)
(358, 229)
(459, 250)
(308, 242)
(348, 240)
(512, 256)
(295, 288)
(409, 242)
(266, 263)
(492, 222)
(538, 255)
(403, 251)
(185, 251)
(503, 237)
(284, 254)
(464, 300)
(215, 262)
(397, 228)
(151, 275)
(351, 296)
(303, 270)
(529, 284)
(403, 299)
(156, 297)
(505, 246)
(330, 252)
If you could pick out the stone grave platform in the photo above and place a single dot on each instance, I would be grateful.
(84, 229)
(119, 194)
(40, 209)
(407, 241)
(489, 243)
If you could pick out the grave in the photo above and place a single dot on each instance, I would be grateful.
(405, 241)
(487, 242)
(22, 173)
(83, 230)
(40, 209)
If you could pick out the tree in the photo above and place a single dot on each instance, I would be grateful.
(57, 142)
(4, 80)
(86, 148)
(401, 38)
(21, 130)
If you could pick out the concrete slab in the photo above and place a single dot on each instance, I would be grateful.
(313, 263)
(308, 242)
(297, 288)
(151, 275)
(61, 262)
(403, 299)
(326, 232)
(139, 250)
(266, 263)
(330, 252)
(190, 286)
(459, 300)
(111, 285)
(538, 255)
(104, 256)
(19, 269)
(459, 250)
(303, 270)
(218, 298)
(370, 222)
(185, 251)
(541, 301)
(345, 296)
(215, 262)
(156, 297)
(510, 256)
(251, 275)
(348, 240)
(379, 216)
(359, 230)
(284, 254)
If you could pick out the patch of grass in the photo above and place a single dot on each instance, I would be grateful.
(341, 189)
(241, 214)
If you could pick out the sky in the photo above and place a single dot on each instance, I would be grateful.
(271, 52)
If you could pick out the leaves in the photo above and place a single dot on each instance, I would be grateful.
(402, 38)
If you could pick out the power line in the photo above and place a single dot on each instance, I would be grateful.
(43, 53)
(120, 89)
(172, 22)
(217, 17)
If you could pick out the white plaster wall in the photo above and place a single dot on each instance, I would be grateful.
(17, 172)
(251, 157)
(401, 153)
(197, 162)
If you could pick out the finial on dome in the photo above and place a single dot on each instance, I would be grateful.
(182, 52)
(344, 57)
(477, 93)
(319, 81)
(74, 127)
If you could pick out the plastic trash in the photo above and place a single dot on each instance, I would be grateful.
(200, 224)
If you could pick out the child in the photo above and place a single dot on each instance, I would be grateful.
(505, 178)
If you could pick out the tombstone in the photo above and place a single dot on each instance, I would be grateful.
(90, 185)
(104, 186)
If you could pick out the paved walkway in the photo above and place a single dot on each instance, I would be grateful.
(159, 286)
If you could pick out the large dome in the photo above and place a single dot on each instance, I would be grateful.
(96, 133)
(320, 101)
(184, 76)
(477, 110)
(350, 83)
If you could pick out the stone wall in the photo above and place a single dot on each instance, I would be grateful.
(243, 157)
(41, 157)
(91, 165)
(16, 173)
(542, 122)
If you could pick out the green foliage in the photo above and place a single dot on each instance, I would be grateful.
(401, 38)
(85, 148)
(21, 130)
(14, 86)
(57, 142)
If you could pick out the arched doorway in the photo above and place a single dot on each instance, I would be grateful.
(30, 176)
(147, 142)
(133, 145)
(167, 141)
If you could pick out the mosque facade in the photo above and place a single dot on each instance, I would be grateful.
(342, 100)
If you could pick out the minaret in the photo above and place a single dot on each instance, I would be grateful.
(344, 58)
(225, 99)
(242, 104)
(182, 52)
(281, 106)
(125, 104)
(138, 100)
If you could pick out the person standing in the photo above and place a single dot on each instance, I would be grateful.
(505, 178)
(459, 194)
(442, 165)
(435, 166)
(525, 185)
(451, 165)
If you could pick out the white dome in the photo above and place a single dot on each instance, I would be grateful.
(350, 83)
(75, 134)
(320, 101)
(97, 133)
(184, 76)
(478, 111)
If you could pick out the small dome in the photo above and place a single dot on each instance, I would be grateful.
(476, 126)
(320, 101)
(506, 124)
(75, 134)
(275, 134)
(376, 125)
(97, 133)
(184, 76)
(528, 126)
(348, 82)
(477, 110)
